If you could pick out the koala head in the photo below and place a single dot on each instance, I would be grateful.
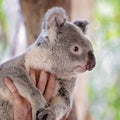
(69, 50)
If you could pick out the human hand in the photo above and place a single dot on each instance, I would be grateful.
(45, 82)
(22, 107)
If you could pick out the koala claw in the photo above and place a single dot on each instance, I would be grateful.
(45, 114)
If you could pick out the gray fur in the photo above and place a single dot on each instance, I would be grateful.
(54, 51)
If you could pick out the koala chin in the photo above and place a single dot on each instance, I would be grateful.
(62, 48)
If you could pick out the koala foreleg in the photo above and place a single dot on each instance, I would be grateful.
(60, 104)
(56, 110)
(27, 89)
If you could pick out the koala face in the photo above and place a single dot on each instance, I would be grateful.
(77, 47)
(70, 50)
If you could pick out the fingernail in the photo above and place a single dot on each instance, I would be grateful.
(53, 74)
(8, 80)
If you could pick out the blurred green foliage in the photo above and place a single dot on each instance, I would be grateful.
(104, 90)
(2, 15)
(3, 30)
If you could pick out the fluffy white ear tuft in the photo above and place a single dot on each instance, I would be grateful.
(55, 17)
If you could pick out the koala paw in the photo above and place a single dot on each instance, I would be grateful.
(45, 114)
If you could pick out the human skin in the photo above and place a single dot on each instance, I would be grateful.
(22, 107)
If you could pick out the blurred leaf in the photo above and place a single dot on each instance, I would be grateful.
(2, 15)
(3, 30)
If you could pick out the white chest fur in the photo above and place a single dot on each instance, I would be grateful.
(37, 59)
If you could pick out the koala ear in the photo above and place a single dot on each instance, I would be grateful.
(55, 17)
(81, 24)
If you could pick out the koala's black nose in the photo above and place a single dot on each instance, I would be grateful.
(91, 61)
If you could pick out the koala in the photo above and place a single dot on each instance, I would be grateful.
(63, 49)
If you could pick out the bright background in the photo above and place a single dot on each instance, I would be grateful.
(104, 89)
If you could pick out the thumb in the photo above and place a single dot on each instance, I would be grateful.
(13, 89)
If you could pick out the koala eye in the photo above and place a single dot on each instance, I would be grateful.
(76, 49)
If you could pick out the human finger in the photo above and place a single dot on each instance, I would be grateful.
(42, 81)
(64, 117)
(32, 76)
(13, 89)
(29, 115)
(50, 87)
